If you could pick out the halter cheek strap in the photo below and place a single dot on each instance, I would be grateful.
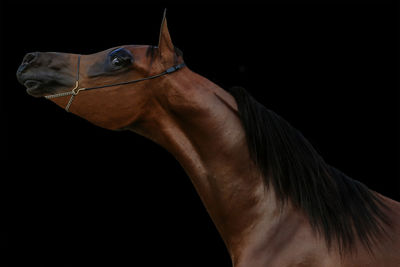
(75, 91)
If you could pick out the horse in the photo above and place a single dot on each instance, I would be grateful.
(272, 197)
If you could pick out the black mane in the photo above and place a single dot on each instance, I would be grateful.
(339, 208)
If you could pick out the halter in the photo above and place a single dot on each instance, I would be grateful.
(75, 91)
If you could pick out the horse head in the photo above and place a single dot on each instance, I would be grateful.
(115, 72)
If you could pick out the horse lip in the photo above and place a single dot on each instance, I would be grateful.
(33, 87)
(32, 84)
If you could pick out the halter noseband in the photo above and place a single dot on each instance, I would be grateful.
(76, 89)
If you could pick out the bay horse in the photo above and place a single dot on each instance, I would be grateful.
(272, 197)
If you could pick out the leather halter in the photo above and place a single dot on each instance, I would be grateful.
(75, 91)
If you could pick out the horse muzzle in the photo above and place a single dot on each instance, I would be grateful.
(41, 74)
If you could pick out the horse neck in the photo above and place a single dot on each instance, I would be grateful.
(196, 121)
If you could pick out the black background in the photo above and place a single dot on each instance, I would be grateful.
(75, 194)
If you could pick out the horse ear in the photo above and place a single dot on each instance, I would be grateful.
(165, 45)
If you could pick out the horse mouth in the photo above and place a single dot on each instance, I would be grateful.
(30, 84)
(33, 87)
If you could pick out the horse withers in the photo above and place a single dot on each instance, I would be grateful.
(273, 199)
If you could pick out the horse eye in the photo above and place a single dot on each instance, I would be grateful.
(117, 61)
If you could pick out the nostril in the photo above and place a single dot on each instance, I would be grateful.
(29, 58)
(21, 69)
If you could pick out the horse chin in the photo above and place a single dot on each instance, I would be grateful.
(38, 91)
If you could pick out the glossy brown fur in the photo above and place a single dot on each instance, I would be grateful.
(196, 121)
